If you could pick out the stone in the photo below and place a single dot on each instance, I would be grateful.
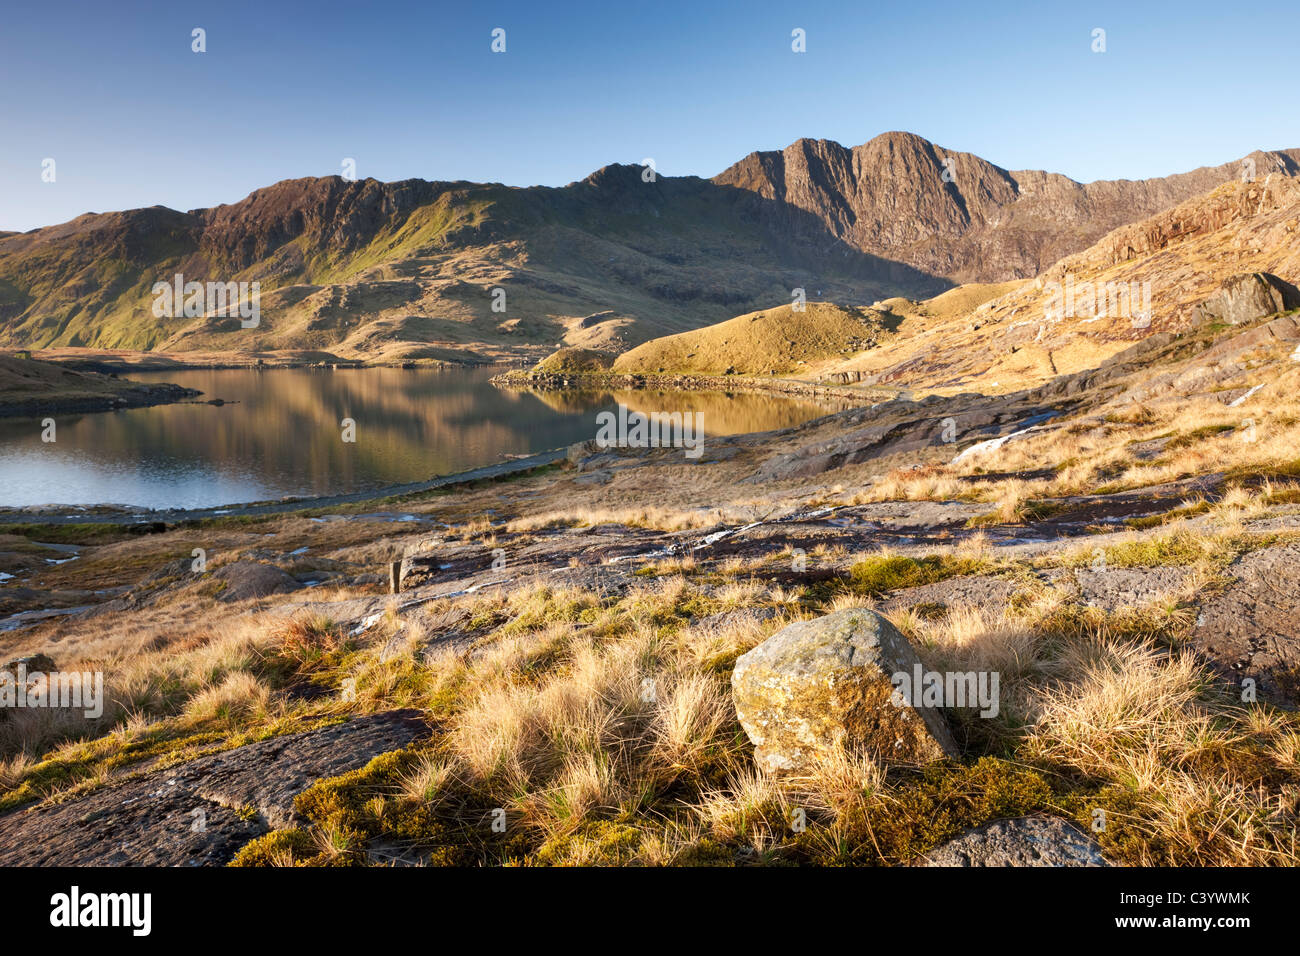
(199, 813)
(249, 579)
(1026, 841)
(744, 615)
(821, 684)
(1244, 298)
(35, 664)
(1252, 629)
(421, 563)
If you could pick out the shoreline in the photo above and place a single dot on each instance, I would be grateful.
(136, 395)
(127, 515)
(127, 361)
(690, 382)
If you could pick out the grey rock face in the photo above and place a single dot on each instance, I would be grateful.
(1247, 297)
(249, 579)
(1027, 841)
(202, 812)
(1252, 629)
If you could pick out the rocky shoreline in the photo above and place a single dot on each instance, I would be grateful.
(133, 396)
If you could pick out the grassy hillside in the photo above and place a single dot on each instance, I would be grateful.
(773, 341)
(409, 271)
(1013, 339)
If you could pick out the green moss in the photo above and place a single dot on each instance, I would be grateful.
(594, 843)
(879, 575)
(277, 848)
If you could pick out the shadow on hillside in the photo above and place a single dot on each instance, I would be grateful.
(671, 207)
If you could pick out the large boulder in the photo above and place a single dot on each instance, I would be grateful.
(1244, 298)
(245, 580)
(1027, 841)
(821, 684)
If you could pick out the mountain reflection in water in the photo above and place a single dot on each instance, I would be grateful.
(284, 437)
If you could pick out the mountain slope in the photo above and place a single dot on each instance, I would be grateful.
(954, 214)
(1168, 265)
(408, 270)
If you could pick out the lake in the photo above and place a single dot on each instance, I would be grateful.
(284, 436)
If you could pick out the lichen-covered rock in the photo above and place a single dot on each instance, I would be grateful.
(819, 684)
(1027, 841)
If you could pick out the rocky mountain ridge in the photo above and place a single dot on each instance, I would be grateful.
(410, 270)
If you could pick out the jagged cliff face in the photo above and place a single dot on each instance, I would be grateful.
(407, 269)
(953, 214)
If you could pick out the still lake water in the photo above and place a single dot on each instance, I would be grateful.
(284, 435)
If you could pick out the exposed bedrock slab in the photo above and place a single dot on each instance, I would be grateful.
(1025, 841)
(199, 813)
(1252, 630)
(981, 591)
(1110, 588)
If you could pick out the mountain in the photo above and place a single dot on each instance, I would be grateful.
(1160, 275)
(955, 215)
(407, 270)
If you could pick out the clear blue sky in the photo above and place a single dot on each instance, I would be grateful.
(112, 92)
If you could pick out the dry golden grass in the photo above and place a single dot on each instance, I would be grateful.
(597, 718)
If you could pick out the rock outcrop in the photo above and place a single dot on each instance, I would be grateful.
(250, 579)
(1252, 629)
(954, 214)
(1244, 298)
(821, 684)
(1027, 841)
(201, 812)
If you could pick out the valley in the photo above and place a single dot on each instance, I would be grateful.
(1004, 428)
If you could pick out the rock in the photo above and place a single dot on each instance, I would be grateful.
(421, 563)
(1252, 630)
(580, 450)
(601, 476)
(744, 615)
(818, 684)
(1026, 841)
(1113, 588)
(248, 579)
(973, 591)
(35, 664)
(1244, 298)
(202, 812)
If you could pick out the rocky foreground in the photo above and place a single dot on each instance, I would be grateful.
(632, 657)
